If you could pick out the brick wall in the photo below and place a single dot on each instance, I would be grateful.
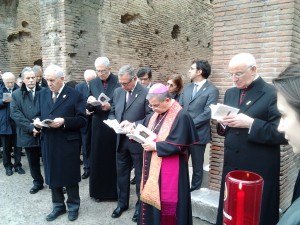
(266, 29)
(20, 35)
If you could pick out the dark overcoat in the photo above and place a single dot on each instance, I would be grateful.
(23, 110)
(61, 146)
(256, 149)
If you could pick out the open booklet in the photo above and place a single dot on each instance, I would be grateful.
(219, 111)
(43, 123)
(103, 98)
(7, 97)
(114, 124)
(142, 134)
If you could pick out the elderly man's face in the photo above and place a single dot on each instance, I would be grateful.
(29, 79)
(54, 83)
(9, 81)
(126, 82)
(241, 74)
(102, 71)
(159, 106)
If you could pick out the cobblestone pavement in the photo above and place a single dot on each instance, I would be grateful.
(18, 206)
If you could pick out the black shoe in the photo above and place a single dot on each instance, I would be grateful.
(9, 172)
(193, 188)
(85, 175)
(118, 212)
(135, 216)
(133, 181)
(19, 170)
(35, 189)
(54, 214)
(73, 215)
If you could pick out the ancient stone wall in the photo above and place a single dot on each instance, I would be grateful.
(20, 43)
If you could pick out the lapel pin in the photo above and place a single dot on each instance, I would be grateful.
(248, 103)
(136, 95)
(64, 96)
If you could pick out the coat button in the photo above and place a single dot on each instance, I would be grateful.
(237, 133)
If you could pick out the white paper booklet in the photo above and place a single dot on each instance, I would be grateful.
(219, 111)
(142, 134)
(7, 97)
(43, 123)
(114, 124)
(103, 98)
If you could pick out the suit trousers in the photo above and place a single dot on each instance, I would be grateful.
(125, 159)
(197, 155)
(73, 201)
(86, 146)
(33, 156)
(9, 142)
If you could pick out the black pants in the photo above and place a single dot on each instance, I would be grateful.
(33, 156)
(125, 159)
(9, 143)
(73, 201)
(197, 156)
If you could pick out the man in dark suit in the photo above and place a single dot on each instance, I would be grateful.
(60, 142)
(23, 110)
(83, 88)
(8, 127)
(252, 142)
(196, 99)
(129, 105)
(103, 176)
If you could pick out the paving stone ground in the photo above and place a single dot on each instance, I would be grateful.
(19, 207)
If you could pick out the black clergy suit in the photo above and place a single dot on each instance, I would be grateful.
(128, 152)
(256, 149)
(61, 146)
(103, 177)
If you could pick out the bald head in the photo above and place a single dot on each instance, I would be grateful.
(89, 75)
(246, 59)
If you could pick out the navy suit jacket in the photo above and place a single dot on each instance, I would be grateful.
(198, 107)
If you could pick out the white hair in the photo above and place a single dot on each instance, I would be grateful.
(243, 58)
(56, 69)
(102, 61)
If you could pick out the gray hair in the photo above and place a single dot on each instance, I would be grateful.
(25, 70)
(127, 70)
(160, 97)
(56, 69)
(102, 61)
(7, 75)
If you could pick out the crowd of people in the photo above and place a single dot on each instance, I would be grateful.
(58, 122)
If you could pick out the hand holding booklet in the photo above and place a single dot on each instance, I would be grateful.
(44, 123)
(114, 124)
(142, 134)
(219, 111)
(102, 99)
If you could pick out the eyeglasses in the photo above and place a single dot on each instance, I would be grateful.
(154, 106)
(171, 85)
(125, 84)
(101, 71)
(144, 79)
(239, 74)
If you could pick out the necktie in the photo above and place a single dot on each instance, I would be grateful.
(105, 84)
(242, 95)
(31, 94)
(195, 90)
(9, 90)
(54, 96)
(129, 97)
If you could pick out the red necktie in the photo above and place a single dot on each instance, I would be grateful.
(243, 93)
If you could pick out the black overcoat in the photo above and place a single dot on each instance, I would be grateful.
(61, 146)
(257, 149)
